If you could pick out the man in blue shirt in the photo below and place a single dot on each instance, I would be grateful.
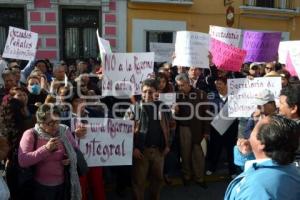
(272, 175)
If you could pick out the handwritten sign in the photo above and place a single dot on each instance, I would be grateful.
(20, 44)
(289, 54)
(261, 46)
(167, 98)
(225, 56)
(104, 45)
(163, 51)
(191, 49)
(242, 93)
(222, 122)
(125, 72)
(108, 142)
(229, 36)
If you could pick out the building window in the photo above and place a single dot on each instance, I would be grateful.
(79, 33)
(165, 1)
(158, 36)
(9, 17)
(265, 3)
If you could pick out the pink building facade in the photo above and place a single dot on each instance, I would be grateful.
(66, 28)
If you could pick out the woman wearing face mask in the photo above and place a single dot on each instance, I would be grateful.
(35, 93)
(53, 155)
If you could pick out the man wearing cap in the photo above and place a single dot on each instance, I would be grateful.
(254, 70)
(265, 102)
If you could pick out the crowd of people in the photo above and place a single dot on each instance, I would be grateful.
(37, 140)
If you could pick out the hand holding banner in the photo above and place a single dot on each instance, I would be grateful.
(225, 56)
(20, 44)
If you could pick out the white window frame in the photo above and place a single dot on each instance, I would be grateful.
(140, 27)
(189, 2)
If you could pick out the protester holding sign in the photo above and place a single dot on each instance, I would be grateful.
(92, 182)
(228, 137)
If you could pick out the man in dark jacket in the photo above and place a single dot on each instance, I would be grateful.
(193, 126)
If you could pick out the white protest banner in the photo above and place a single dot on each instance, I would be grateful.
(191, 49)
(20, 44)
(163, 51)
(222, 122)
(231, 36)
(167, 98)
(108, 142)
(104, 45)
(289, 54)
(124, 73)
(242, 93)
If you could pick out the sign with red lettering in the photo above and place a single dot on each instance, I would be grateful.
(242, 93)
(20, 44)
(108, 142)
(231, 36)
(125, 72)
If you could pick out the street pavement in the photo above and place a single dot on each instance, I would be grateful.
(217, 184)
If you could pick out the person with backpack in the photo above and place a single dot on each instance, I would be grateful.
(48, 149)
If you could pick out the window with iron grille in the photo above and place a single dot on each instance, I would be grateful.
(9, 17)
(265, 3)
(158, 36)
(79, 33)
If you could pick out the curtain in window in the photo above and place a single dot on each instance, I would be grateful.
(89, 42)
(72, 43)
(2, 38)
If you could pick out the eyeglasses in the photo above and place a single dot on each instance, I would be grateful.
(268, 68)
(53, 123)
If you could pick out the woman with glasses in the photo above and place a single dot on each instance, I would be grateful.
(49, 147)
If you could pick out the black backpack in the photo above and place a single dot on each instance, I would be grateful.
(25, 176)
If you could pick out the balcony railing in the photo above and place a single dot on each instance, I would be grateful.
(165, 1)
(278, 4)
